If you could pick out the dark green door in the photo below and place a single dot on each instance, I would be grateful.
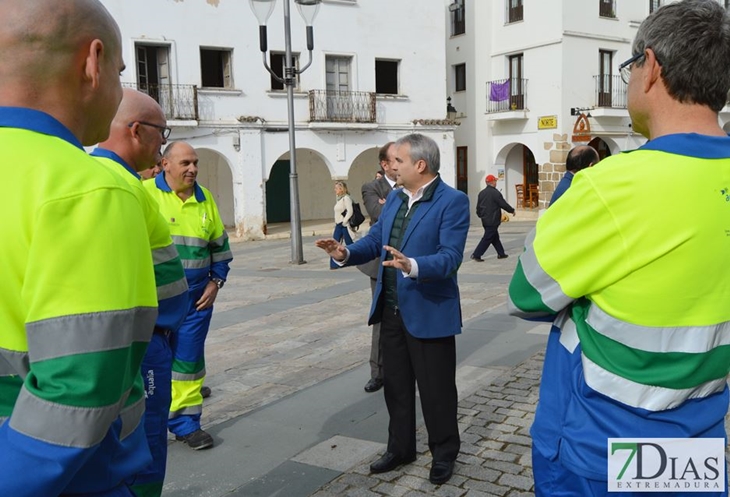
(277, 194)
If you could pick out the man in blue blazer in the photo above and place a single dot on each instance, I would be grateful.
(420, 238)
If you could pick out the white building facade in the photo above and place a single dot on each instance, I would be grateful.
(377, 73)
(530, 79)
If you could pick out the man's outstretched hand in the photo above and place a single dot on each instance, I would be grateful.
(333, 248)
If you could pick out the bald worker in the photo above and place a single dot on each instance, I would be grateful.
(579, 158)
(77, 302)
(201, 239)
(137, 133)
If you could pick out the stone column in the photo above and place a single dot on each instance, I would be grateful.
(550, 173)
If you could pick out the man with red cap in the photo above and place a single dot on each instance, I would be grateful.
(489, 209)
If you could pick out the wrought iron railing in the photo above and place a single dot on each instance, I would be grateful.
(607, 8)
(506, 94)
(610, 91)
(515, 13)
(342, 106)
(177, 101)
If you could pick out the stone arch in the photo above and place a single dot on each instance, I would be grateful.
(216, 174)
(513, 159)
(314, 177)
(362, 170)
(605, 146)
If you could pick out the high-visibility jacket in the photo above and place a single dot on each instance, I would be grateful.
(197, 231)
(172, 287)
(635, 254)
(77, 309)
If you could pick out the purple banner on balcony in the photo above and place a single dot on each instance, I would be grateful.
(499, 92)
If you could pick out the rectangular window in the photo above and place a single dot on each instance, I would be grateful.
(605, 78)
(727, 4)
(517, 82)
(386, 76)
(514, 11)
(460, 77)
(276, 62)
(458, 21)
(215, 68)
(462, 172)
(655, 4)
(339, 90)
(607, 8)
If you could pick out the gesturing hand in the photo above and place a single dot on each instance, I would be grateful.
(399, 260)
(333, 248)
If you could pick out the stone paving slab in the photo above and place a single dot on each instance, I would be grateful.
(495, 453)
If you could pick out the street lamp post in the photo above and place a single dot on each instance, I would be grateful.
(308, 9)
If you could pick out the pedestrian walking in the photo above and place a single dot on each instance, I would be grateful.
(489, 209)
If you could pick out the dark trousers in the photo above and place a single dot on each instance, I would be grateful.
(432, 365)
(376, 354)
(491, 237)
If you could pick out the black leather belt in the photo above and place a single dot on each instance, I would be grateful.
(162, 331)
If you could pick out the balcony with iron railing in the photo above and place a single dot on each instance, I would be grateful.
(507, 95)
(342, 106)
(179, 102)
(610, 91)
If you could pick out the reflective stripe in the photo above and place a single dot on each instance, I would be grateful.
(513, 310)
(549, 289)
(14, 363)
(186, 411)
(220, 241)
(131, 417)
(568, 331)
(59, 424)
(196, 263)
(688, 339)
(221, 256)
(172, 290)
(649, 397)
(188, 377)
(93, 332)
(189, 241)
(164, 254)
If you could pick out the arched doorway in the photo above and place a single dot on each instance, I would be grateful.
(601, 147)
(214, 173)
(316, 197)
(521, 175)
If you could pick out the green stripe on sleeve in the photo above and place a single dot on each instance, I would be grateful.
(524, 296)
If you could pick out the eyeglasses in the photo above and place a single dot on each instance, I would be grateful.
(625, 68)
(164, 130)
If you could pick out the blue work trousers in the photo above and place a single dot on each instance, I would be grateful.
(157, 374)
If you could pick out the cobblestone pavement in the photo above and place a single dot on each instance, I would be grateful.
(495, 455)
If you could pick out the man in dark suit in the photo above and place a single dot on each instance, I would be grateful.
(489, 209)
(420, 237)
(374, 194)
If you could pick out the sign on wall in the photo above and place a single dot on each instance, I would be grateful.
(547, 122)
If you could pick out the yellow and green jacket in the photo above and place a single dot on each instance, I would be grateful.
(172, 287)
(633, 264)
(77, 309)
(197, 231)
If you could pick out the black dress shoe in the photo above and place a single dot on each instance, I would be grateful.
(441, 471)
(475, 258)
(389, 462)
(373, 385)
